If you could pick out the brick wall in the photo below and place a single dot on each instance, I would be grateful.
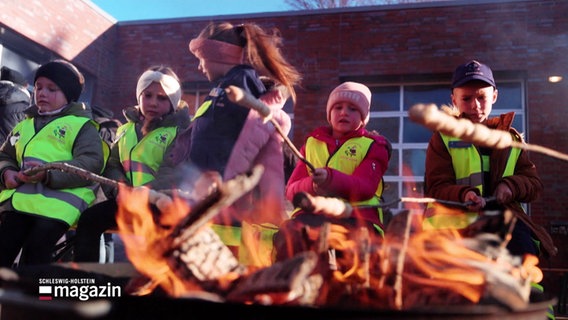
(74, 30)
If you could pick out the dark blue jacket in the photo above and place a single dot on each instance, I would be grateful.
(214, 133)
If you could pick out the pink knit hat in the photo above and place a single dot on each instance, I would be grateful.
(356, 93)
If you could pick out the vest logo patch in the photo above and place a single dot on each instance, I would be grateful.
(60, 132)
(459, 144)
(162, 138)
(216, 92)
(351, 150)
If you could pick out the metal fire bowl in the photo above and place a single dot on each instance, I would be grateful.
(16, 307)
(20, 301)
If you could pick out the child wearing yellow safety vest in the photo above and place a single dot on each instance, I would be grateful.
(349, 162)
(460, 171)
(37, 209)
(139, 155)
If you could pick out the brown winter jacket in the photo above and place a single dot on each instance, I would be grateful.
(525, 184)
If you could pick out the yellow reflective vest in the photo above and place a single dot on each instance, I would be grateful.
(142, 158)
(53, 143)
(345, 159)
(469, 167)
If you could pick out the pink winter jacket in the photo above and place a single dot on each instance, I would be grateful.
(260, 143)
(360, 185)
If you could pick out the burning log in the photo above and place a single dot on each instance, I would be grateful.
(289, 281)
(344, 266)
(191, 256)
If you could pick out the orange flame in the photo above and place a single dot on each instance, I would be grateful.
(146, 241)
(393, 267)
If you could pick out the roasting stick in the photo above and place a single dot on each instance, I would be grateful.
(431, 117)
(245, 99)
(159, 198)
(340, 209)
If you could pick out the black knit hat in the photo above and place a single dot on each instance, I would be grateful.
(65, 75)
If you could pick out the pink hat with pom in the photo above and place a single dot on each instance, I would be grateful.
(355, 93)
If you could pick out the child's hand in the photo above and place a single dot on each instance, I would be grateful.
(319, 176)
(475, 202)
(33, 178)
(503, 193)
(11, 179)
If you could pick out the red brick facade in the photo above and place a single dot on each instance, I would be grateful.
(396, 40)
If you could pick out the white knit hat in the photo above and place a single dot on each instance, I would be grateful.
(170, 85)
(356, 93)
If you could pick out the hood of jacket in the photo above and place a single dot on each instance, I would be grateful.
(13, 93)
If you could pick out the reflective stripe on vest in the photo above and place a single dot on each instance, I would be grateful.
(468, 167)
(141, 159)
(252, 242)
(345, 159)
(53, 143)
(214, 93)
(105, 145)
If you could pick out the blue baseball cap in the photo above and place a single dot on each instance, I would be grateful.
(472, 70)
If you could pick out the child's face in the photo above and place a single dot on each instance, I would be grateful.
(344, 118)
(212, 70)
(475, 100)
(48, 96)
(154, 102)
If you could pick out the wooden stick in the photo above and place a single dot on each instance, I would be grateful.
(65, 167)
(155, 195)
(431, 117)
(340, 209)
(245, 99)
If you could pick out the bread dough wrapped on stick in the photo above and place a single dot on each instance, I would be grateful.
(431, 117)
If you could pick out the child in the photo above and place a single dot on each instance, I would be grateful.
(231, 139)
(38, 209)
(461, 172)
(349, 161)
(137, 157)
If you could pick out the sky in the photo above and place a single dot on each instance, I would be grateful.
(128, 10)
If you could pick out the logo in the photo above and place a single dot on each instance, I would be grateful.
(76, 288)
(162, 138)
(45, 293)
(351, 151)
(60, 132)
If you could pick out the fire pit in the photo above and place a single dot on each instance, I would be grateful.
(19, 300)
(15, 306)
(345, 274)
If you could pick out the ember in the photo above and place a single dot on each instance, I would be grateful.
(408, 269)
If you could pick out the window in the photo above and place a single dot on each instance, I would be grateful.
(194, 93)
(389, 116)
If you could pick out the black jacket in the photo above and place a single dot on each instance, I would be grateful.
(14, 99)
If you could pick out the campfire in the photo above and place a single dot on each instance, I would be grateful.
(408, 269)
(346, 272)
